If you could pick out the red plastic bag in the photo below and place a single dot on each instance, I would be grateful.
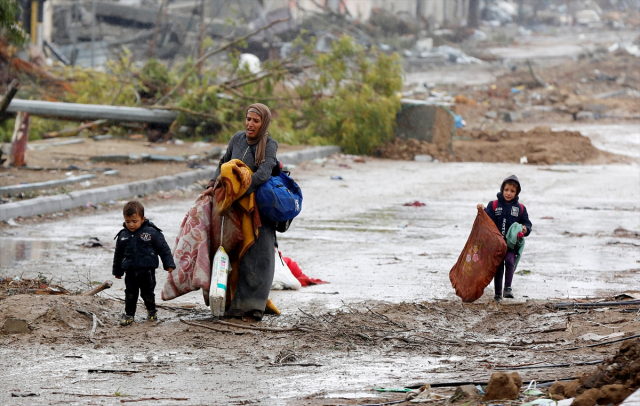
(477, 264)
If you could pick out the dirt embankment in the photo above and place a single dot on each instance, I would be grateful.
(468, 341)
(540, 146)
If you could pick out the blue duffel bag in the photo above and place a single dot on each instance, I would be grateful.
(279, 200)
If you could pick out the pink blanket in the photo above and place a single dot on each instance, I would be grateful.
(191, 252)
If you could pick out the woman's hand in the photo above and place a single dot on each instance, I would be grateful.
(208, 192)
(524, 229)
(480, 207)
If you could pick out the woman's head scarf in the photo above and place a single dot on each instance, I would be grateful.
(261, 139)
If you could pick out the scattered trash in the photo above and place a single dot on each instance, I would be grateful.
(392, 389)
(85, 184)
(630, 48)
(628, 295)
(283, 277)
(12, 223)
(336, 178)
(534, 392)
(523, 160)
(423, 395)
(596, 337)
(102, 137)
(111, 172)
(523, 272)
(415, 203)
(24, 395)
(92, 243)
(423, 158)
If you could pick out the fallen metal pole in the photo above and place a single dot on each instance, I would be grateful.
(85, 112)
(600, 304)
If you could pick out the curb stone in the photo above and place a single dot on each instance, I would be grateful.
(10, 190)
(50, 204)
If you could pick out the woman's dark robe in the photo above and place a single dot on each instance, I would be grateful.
(255, 273)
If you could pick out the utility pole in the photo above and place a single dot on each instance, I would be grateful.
(473, 19)
(202, 32)
(93, 32)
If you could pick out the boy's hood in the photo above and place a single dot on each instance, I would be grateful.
(512, 178)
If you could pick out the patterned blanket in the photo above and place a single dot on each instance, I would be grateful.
(191, 252)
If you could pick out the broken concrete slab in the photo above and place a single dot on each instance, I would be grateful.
(585, 115)
(43, 145)
(16, 326)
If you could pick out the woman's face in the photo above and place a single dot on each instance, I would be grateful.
(252, 124)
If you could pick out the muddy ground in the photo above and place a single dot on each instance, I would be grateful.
(377, 254)
(335, 357)
(388, 318)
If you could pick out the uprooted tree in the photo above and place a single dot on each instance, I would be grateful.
(346, 96)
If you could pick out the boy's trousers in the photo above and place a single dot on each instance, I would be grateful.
(142, 282)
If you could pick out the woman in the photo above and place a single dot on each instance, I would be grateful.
(257, 150)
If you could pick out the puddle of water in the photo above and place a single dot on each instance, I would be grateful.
(14, 251)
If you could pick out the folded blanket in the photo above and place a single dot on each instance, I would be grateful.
(239, 211)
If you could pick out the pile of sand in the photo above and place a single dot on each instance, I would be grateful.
(613, 382)
(540, 146)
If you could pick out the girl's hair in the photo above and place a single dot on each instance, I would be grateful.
(133, 207)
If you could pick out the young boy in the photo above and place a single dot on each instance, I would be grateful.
(137, 248)
(505, 212)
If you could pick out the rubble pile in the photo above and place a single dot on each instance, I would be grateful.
(540, 146)
(613, 382)
(594, 87)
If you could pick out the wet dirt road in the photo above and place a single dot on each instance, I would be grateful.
(357, 234)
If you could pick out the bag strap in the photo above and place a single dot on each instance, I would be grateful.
(221, 230)
(494, 204)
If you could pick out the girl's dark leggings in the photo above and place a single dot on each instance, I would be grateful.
(508, 268)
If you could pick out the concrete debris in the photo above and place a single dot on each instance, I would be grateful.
(16, 326)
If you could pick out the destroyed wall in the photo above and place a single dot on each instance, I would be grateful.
(441, 11)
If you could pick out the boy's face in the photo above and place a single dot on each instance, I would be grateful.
(133, 222)
(509, 192)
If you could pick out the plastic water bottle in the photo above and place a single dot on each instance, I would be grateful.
(218, 289)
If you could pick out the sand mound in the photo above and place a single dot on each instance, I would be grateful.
(540, 145)
(613, 382)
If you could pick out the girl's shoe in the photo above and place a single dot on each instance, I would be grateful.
(152, 316)
(508, 293)
(126, 320)
(498, 298)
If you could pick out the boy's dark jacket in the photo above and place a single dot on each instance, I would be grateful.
(139, 250)
(507, 213)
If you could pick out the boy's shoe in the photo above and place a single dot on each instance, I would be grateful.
(126, 320)
(498, 298)
(508, 293)
(152, 316)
